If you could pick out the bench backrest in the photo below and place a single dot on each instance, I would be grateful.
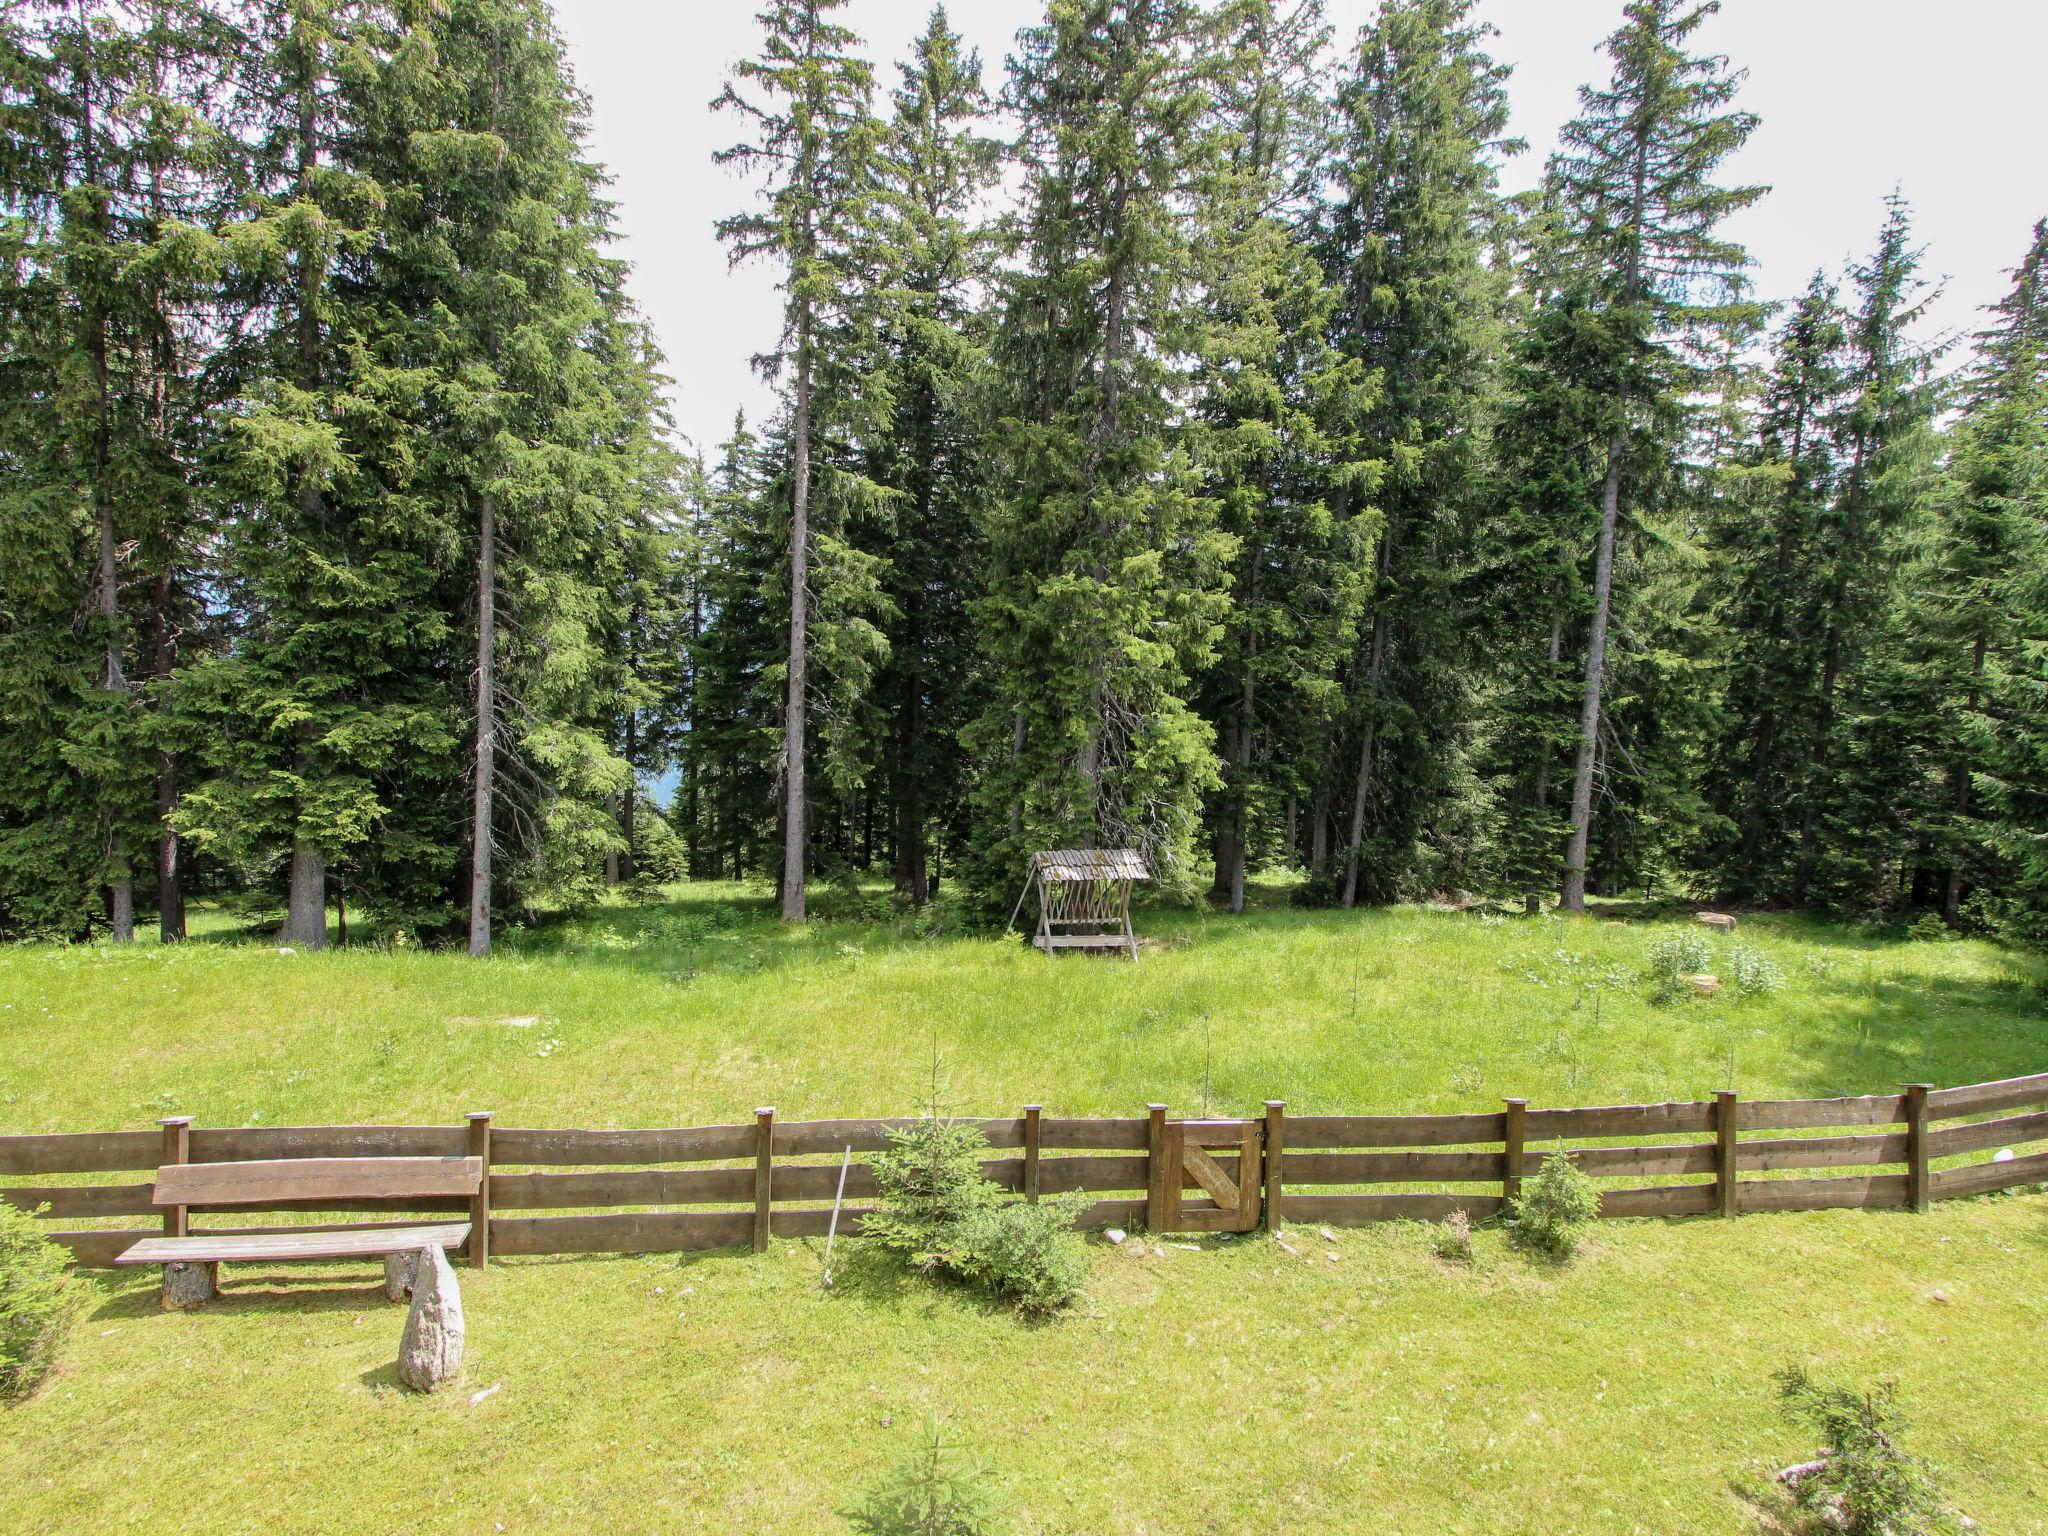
(269, 1183)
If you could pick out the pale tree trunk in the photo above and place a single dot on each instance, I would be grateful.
(486, 726)
(1375, 675)
(799, 616)
(305, 922)
(170, 885)
(1572, 896)
(120, 883)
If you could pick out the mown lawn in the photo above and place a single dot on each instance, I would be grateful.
(1351, 1385)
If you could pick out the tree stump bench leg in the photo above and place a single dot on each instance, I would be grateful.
(189, 1285)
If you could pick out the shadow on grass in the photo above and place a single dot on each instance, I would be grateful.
(1876, 1034)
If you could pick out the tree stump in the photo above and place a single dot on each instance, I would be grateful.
(189, 1285)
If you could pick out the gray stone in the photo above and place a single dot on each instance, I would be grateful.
(430, 1351)
(399, 1269)
(189, 1285)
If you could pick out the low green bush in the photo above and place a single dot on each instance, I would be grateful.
(1754, 973)
(1552, 1211)
(1673, 959)
(38, 1302)
(941, 1214)
(1863, 1483)
(934, 1489)
(1029, 1255)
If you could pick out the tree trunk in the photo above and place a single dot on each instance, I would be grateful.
(170, 878)
(305, 920)
(1952, 893)
(907, 794)
(629, 862)
(799, 614)
(1375, 674)
(1573, 894)
(486, 726)
(120, 882)
(1532, 901)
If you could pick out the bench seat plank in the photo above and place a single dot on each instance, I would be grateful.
(313, 1243)
(315, 1178)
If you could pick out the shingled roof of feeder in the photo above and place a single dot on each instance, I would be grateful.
(1091, 864)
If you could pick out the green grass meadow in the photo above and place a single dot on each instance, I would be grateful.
(1352, 1383)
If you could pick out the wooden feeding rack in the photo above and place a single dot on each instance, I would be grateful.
(1084, 898)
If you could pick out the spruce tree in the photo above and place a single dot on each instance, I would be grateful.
(1634, 180)
(1107, 569)
(811, 139)
(1984, 584)
(1847, 817)
(1279, 407)
(1421, 115)
(1768, 548)
(934, 256)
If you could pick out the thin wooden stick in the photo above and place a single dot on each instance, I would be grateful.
(832, 1232)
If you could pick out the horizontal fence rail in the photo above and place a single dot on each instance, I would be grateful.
(567, 1190)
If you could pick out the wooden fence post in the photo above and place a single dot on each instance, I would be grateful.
(1031, 1114)
(1727, 1150)
(764, 1173)
(1512, 1141)
(1155, 1167)
(1276, 1150)
(1916, 1144)
(480, 1202)
(177, 1149)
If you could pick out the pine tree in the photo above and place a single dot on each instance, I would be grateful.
(324, 710)
(113, 178)
(1768, 546)
(1635, 182)
(1985, 601)
(1850, 824)
(1107, 568)
(812, 140)
(1279, 408)
(1421, 117)
(934, 255)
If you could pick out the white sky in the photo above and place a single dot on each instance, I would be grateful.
(1942, 99)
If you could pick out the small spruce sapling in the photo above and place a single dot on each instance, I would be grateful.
(931, 1188)
(1551, 1213)
(1862, 1484)
(934, 1489)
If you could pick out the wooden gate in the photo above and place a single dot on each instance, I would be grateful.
(1219, 1158)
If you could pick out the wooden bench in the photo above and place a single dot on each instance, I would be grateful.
(191, 1262)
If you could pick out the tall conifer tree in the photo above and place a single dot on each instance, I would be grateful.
(811, 137)
(1635, 183)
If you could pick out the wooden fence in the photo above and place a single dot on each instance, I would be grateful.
(586, 1191)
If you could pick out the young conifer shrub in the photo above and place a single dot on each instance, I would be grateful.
(1863, 1483)
(940, 1213)
(934, 1489)
(1551, 1213)
(37, 1302)
(931, 1188)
